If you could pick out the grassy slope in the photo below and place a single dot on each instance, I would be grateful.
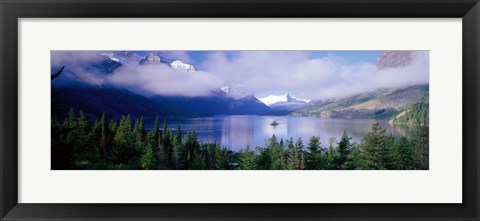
(385, 104)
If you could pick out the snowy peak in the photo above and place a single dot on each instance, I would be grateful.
(179, 65)
(282, 99)
(273, 99)
(226, 89)
(151, 58)
(123, 57)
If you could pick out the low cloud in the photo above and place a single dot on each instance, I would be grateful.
(163, 80)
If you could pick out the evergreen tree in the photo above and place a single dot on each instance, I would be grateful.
(375, 147)
(275, 150)
(403, 155)
(124, 131)
(299, 144)
(104, 133)
(221, 157)
(342, 153)
(331, 154)
(192, 146)
(147, 161)
(313, 155)
(83, 130)
(247, 159)
(124, 149)
(112, 126)
(166, 143)
(178, 155)
(293, 156)
(70, 121)
(355, 159)
(139, 130)
(154, 135)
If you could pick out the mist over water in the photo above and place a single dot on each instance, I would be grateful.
(238, 131)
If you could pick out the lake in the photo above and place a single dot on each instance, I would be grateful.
(238, 131)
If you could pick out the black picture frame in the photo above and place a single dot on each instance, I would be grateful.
(11, 10)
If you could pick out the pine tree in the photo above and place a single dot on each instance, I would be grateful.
(112, 126)
(355, 159)
(275, 150)
(103, 134)
(166, 143)
(375, 147)
(313, 155)
(247, 159)
(139, 130)
(124, 149)
(83, 129)
(124, 131)
(191, 146)
(299, 144)
(293, 156)
(343, 151)
(70, 121)
(147, 161)
(178, 155)
(403, 155)
(331, 154)
(154, 135)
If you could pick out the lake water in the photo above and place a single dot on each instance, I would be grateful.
(238, 131)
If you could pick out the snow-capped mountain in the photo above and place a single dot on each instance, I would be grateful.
(179, 65)
(151, 58)
(123, 57)
(132, 58)
(236, 91)
(284, 104)
(271, 100)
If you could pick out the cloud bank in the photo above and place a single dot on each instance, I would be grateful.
(253, 72)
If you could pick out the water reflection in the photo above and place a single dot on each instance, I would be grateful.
(236, 132)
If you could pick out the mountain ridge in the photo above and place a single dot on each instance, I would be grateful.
(383, 104)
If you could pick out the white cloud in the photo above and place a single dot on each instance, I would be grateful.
(258, 72)
(293, 72)
(163, 80)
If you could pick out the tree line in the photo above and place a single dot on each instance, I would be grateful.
(80, 144)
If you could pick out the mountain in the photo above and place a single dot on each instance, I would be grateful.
(272, 100)
(132, 58)
(103, 66)
(123, 57)
(283, 104)
(383, 103)
(179, 65)
(115, 102)
(394, 59)
(152, 58)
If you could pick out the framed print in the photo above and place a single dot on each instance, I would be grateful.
(318, 110)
